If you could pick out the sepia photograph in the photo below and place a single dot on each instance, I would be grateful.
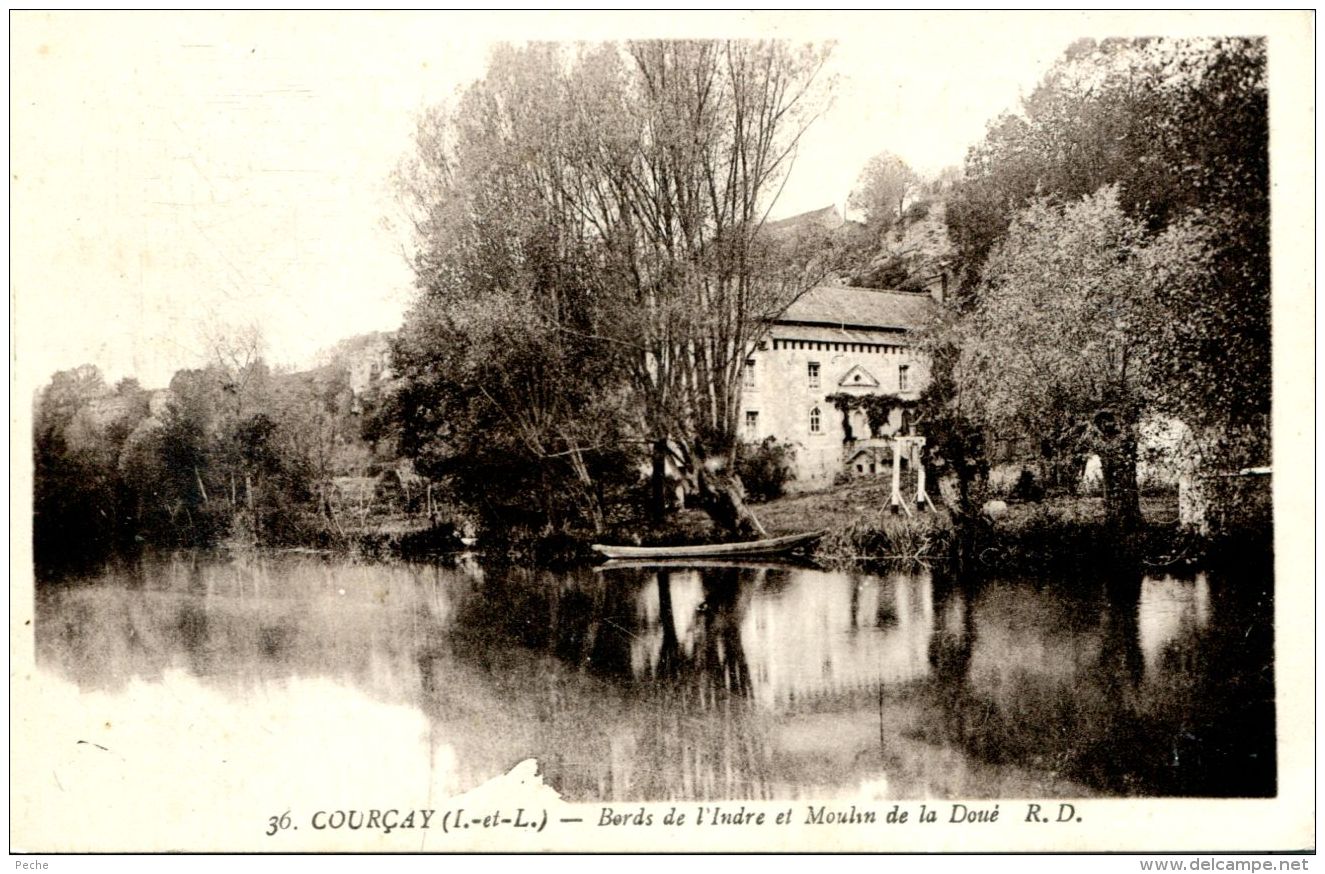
(439, 432)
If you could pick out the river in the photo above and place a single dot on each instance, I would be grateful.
(689, 683)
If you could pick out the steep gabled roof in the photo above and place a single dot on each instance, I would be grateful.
(841, 306)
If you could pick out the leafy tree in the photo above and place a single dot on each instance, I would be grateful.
(1179, 129)
(507, 383)
(73, 497)
(1069, 325)
(882, 191)
(766, 467)
(948, 414)
(508, 413)
(82, 507)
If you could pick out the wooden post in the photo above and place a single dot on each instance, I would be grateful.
(922, 499)
(896, 500)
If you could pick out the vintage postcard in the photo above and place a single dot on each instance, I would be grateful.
(548, 431)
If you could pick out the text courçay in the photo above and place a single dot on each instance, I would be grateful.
(386, 820)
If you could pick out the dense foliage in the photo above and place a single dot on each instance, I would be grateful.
(224, 453)
(765, 468)
(1148, 161)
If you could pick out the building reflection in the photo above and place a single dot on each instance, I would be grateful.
(706, 683)
(787, 638)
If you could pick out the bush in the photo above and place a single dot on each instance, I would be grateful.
(765, 468)
(917, 211)
(1027, 489)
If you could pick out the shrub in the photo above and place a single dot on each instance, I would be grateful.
(917, 211)
(765, 468)
(1027, 489)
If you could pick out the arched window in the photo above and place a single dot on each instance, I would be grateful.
(814, 421)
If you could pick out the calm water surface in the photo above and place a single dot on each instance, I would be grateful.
(696, 683)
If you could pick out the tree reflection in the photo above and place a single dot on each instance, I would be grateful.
(950, 650)
(719, 653)
(1121, 663)
(669, 651)
(692, 731)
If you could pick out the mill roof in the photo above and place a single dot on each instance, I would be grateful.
(829, 334)
(843, 306)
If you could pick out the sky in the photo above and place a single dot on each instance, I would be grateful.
(179, 175)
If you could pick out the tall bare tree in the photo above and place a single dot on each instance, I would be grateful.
(678, 189)
(622, 191)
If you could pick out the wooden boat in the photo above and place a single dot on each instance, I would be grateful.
(758, 562)
(748, 549)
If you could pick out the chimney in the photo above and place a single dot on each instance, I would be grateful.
(938, 287)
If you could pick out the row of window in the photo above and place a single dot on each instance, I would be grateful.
(812, 375)
(816, 422)
(752, 422)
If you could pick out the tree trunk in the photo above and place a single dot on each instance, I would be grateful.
(252, 508)
(1122, 497)
(722, 497)
(1194, 504)
(202, 490)
(658, 482)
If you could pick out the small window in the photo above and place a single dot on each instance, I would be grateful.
(812, 374)
(903, 377)
(751, 422)
(860, 468)
(749, 373)
(814, 421)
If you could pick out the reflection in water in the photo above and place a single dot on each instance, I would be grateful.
(1170, 611)
(720, 682)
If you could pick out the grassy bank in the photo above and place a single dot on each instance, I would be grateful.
(1056, 532)
(862, 530)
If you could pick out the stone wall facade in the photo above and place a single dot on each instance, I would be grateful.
(785, 393)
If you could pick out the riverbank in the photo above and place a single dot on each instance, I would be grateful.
(1056, 532)
(861, 532)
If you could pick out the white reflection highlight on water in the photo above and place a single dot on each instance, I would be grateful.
(1170, 613)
